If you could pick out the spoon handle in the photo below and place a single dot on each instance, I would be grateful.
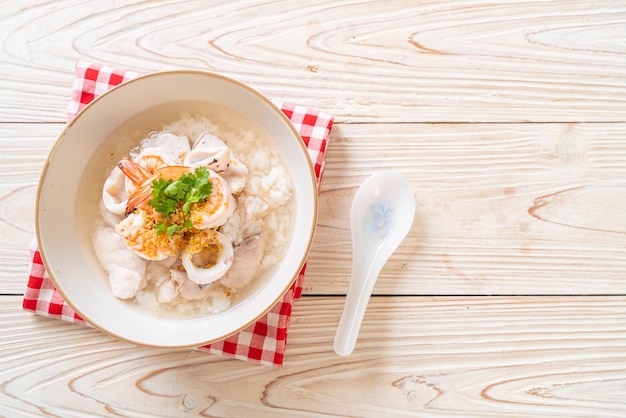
(357, 298)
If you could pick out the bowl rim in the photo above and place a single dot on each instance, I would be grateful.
(300, 265)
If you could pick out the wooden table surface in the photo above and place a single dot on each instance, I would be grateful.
(508, 297)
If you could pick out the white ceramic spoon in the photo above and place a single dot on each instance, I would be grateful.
(381, 215)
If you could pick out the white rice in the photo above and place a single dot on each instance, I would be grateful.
(264, 205)
(264, 208)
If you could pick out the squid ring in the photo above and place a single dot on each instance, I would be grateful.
(207, 256)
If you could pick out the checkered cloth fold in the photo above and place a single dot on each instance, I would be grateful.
(262, 342)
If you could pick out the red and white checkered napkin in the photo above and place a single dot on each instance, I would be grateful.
(262, 342)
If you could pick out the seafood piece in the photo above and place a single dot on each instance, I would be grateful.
(207, 256)
(157, 272)
(142, 179)
(125, 269)
(217, 208)
(211, 213)
(125, 283)
(170, 289)
(193, 291)
(114, 194)
(142, 238)
(180, 285)
(246, 260)
(175, 145)
(236, 175)
(208, 151)
(109, 218)
(150, 160)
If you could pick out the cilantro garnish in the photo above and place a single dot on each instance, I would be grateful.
(171, 197)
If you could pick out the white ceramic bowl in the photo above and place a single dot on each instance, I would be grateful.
(71, 184)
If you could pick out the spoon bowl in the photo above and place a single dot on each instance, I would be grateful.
(382, 214)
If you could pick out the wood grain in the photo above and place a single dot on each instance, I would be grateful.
(416, 356)
(501, 208)
(505, 208)
(365, 61)
(23, 151)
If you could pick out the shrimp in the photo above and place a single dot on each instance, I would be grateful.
(208, 151)
(151, 160)
(143, 178)
(122, 183)
(217, 208)
(211, 213)
(207, 256)
(144, 240)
